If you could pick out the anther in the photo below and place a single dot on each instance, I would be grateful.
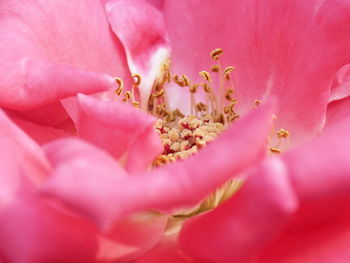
(206, 87)
(179, 81)
(282, 133)
(215, 68)
(159, 94)
(127, 96)
(216, 53)
(228, 71)
(136, 104)
(205, 75)
(137, 79)
(275, 150)
(257, 102)
(201, 106)
(186, 80)
(194, 88)
(120, 88)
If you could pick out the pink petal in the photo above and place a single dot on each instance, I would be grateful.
(133, 236)
(241, 227)
(319, 232)
(40, 134)
(140, 27)
(78, 164)
(337, 112)
(166, 251)
(37, 88)
(185, 183)
(72, 161)
(33, 230)
(70, 52)
(26, 151)
(118, 128)
(341, 84)
(291, 49)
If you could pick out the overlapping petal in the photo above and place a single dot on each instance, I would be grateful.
(32, 229)
(319, 232)
(45, 58)
(341, 84)
(179, 185)
(119, 129)
(243, 226)
(140, 27)
(291, 49)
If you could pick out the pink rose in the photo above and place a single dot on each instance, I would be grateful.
(79, 187)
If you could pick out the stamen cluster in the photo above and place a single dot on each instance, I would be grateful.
(185, 137)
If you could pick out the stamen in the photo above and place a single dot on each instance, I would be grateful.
(137, 79)
(205, 75)
(282, 133)
(127, 96)
(216, 53)
(215, 68)
(120, 88)
(228, 71)
(275, 150)
(257, 103)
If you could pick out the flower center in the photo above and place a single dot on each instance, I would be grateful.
(183, 136)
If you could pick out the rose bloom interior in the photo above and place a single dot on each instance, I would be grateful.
(174, 131)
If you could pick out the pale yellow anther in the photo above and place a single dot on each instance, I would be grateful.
(159, 94)
(257, 102)
(228, 71)
(215, 68)
(206, 87)
(205, 75)
(186, 80)
(173, 134)
(137, 79)
(275, 150)
(179, 81)
(198, 133)
(201, 106)
(186, 133)
(127, 96)
(194, 88)
(175, 147)
(216, 53)
(120, 88)
(228, 94)
(282, 133)
(136, 104)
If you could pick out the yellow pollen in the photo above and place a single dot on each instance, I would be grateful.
(215, 68)
(216, 53)
(120, 84)
(205, 75)
(228, 71)
(275, 150)
(137, 79)
(282, 133)
(159, 94)
(127, 96)
(183, 138)
(257, 102)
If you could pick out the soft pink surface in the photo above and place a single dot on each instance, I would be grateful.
(40, 232)
(289, 48)
(341, 84)
(320, 230)
(54, 49)
(244, 225)
(184, 183)
(119, 129)
(167, 250)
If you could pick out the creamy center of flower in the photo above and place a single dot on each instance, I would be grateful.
(183, 136)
